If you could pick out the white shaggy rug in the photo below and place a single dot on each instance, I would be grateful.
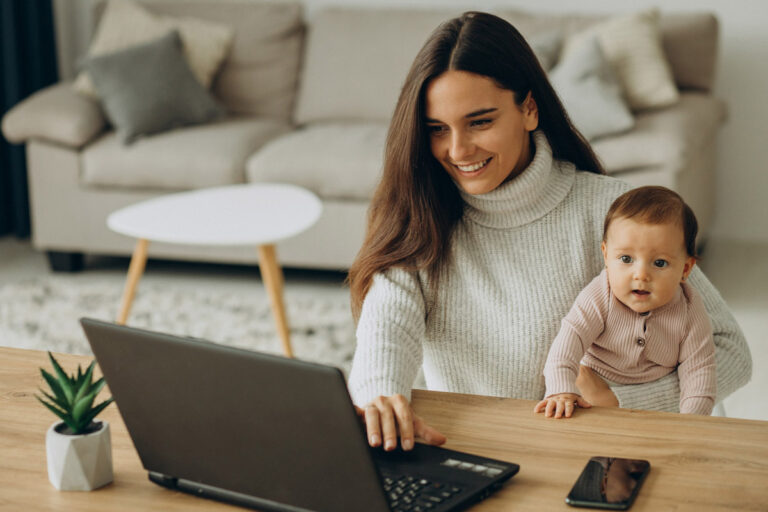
(43, 313)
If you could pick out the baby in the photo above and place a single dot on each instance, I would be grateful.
(638, 320)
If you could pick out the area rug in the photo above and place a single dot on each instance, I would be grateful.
(42, 313)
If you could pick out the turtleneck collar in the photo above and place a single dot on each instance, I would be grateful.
(529, 196)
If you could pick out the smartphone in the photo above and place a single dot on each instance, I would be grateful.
(608, 483)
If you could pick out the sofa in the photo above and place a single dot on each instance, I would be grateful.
(308, 99)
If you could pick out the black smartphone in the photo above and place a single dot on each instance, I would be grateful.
(608, 483)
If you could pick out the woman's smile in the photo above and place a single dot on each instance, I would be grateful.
(473, 169)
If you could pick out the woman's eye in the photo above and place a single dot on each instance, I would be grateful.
(660, 263)
(626, 259)
(435, 129)
(480, 122)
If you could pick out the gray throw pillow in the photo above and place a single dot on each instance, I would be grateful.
(149, 88)
(590, 91)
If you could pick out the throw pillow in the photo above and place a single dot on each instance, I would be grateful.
(149, 88)
(125, 23)
(632, 45)
(590, 91)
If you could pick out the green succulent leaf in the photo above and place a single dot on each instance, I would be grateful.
(55, 400)
(63, 414)
(98, 385)
(84, 383)
(55, 386)
(65, 417)
(85, 377)
(82, 406)
(88, 418)
(64, 381)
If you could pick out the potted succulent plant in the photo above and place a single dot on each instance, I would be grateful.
(79, 449)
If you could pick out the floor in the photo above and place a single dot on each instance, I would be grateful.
(739, 270)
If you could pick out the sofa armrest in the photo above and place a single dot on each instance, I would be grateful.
(57, 114)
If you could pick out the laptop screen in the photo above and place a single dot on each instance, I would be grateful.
(260, 425)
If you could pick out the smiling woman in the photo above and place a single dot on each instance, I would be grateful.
(478, 133)
(485, 226)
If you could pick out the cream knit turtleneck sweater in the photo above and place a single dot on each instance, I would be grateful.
(519, 257)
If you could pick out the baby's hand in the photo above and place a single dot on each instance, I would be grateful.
(560, 405)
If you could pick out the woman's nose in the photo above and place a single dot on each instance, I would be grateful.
(461, 147)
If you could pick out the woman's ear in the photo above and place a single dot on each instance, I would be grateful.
(530, 113)
(688, 267)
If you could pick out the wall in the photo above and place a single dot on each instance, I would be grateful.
(742, 205)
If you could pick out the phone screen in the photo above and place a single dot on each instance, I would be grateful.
(608, 483)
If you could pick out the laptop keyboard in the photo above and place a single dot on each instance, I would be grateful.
(413, 494)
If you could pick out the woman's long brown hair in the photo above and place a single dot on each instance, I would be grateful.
(416, 205)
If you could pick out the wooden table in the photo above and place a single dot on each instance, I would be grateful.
(697, 463)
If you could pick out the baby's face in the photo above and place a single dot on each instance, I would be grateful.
(645, 262)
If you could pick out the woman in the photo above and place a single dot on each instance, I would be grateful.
(486, 225)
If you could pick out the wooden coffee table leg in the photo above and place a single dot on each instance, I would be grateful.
(273, 281)
(135, 269)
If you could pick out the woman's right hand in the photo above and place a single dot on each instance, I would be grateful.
(389, 417)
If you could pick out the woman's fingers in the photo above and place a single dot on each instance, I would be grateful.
(372, 425)
(389, 416)
(582, 402)
(427, 433)
(539, 407)
(404, 416)
(387, 422)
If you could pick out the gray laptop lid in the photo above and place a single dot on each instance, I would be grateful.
(278, 429)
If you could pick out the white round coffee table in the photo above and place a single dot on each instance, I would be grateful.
(250, 214)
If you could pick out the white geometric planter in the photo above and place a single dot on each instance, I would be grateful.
(79, 463)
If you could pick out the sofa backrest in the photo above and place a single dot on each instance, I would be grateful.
(260, 74)
(356, 58)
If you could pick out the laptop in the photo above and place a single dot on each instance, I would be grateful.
(268, 432)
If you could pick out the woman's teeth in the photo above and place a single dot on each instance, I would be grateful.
(473, 167)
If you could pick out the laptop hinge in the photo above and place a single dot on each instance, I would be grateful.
(217, 493)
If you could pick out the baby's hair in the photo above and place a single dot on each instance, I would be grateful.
(655, 205)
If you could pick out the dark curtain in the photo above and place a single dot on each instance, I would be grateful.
(27, 63)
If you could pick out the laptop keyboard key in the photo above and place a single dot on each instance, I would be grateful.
(411, 494)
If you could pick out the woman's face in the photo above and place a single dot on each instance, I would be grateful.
(477, 132)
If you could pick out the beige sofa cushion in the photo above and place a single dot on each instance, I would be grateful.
(56, 114)
(666, 137)
(334, 160)
(187, 158)
(260, 74)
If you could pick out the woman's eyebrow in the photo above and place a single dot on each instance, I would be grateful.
(480, 112)
(476, 113)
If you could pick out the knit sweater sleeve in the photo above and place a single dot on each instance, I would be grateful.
(579, 329)
(732, 358)
(697, 360)
(390, 332)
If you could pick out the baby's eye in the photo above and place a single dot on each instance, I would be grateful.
(660, 263)
(626, 259)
